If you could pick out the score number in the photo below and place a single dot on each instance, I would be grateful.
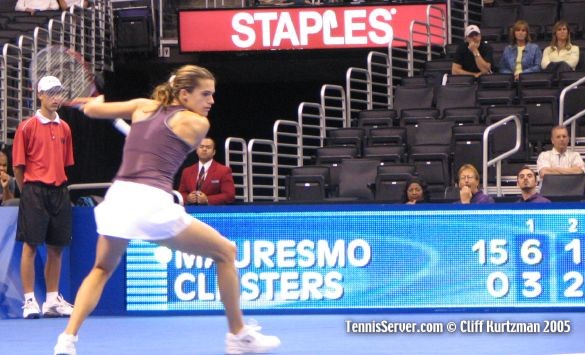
(495, 252)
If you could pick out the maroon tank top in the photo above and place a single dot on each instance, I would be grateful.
(153, 152)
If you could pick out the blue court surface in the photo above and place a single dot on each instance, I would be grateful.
(303, 334)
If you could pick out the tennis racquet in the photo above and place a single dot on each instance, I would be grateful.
(67, 65)
(75, 74)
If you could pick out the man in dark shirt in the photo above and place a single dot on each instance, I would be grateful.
(527, 182)
(473, 57)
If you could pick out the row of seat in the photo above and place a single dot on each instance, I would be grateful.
(368, 179)
(436, 148)
(352, 179)
(541, 16)
(15, 23)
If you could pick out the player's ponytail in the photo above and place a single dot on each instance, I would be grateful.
(187, 77)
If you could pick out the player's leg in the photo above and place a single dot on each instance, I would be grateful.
(109, 251)
(200, 239)
(108, 254)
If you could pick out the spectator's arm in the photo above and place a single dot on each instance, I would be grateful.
(545, 58)
(482, 63)
(457, 69)
(5, 181)
(228, 191)
(535, 65)
(19, 176)
(502, 67)
(62, 4)
(573, 57)
(20, 6)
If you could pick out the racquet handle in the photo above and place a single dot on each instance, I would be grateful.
(122, 126)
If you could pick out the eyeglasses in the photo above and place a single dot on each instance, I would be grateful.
(467, 177)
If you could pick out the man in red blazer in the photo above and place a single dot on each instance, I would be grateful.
(207, 182)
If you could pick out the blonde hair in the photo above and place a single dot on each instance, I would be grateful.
(555, 42)
(187, 77)
(468, 167)
(518, 25)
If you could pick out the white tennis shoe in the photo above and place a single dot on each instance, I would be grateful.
(60, 308)
(31, 309)
(65, 345)
(250, 341)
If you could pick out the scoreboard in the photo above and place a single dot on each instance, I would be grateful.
(372, 256)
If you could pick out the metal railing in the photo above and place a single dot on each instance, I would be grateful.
(88, 31)
(236, 157)
(497, 161)
(573, 119)
(358, 88)
(289, 150)
(262, 170)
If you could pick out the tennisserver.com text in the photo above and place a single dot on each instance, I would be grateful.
(463, 326)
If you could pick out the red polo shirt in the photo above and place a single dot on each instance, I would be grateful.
(44, 148)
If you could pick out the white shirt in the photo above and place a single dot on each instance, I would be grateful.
(74, 2)
(206, 166)
(550, 54)
(553, 159)
(40, 5)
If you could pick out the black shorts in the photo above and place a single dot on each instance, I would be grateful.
(44, 215)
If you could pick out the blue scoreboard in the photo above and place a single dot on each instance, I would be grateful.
(391, 257)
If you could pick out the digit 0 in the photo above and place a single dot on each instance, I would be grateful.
(493, 279)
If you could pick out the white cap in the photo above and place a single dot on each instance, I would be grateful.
(470, 29)
(47, 83)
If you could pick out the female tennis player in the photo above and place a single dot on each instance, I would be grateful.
(139, 204)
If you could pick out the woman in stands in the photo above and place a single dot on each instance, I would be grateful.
(139, 204)
(415, 192)
(561, 55)
(521, 56)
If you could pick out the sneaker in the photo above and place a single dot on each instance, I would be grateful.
(31, 309)
(61, 308)
(250, 341)
(65, 345)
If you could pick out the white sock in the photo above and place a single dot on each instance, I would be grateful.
(52, 297)
(69, 337)
(29, 295)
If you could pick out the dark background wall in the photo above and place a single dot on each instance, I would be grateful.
(252, 91)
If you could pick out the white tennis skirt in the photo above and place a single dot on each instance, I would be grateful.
(137, 211)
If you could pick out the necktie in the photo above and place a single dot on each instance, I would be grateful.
(200, 178)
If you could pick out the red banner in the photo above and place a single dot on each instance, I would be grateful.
(297, 28)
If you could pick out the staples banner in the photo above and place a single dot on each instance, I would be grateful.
(298, 28)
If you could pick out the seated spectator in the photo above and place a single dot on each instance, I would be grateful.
(207, 182)
(561, 55)
(66, 4)
(33, 6)
(469, 186)
(521, 56)
(473, 57)
(559, 160)
(7, 182)
(527, 182)
(415, 192)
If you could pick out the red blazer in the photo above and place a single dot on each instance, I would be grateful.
(218, 185)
